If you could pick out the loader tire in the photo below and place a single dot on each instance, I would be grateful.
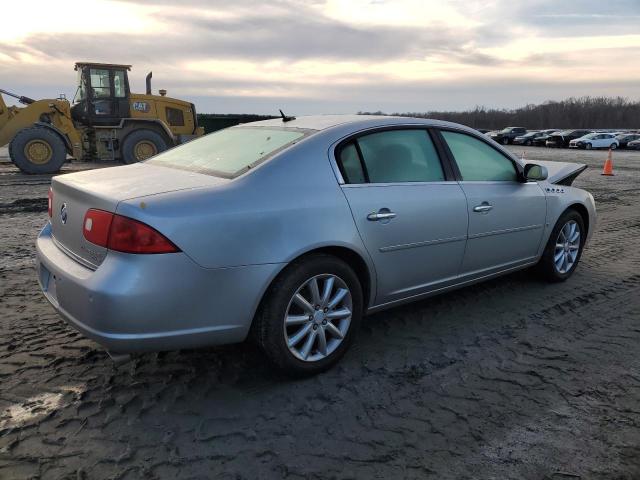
(141, 145)
(38, 150)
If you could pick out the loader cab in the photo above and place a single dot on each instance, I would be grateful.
(102, 96)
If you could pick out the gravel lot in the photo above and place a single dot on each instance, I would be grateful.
(513, 378)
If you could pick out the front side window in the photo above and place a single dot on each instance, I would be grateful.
(393, 156)
(228, 153)
(80, 91)
(100, 83)
(478, 161)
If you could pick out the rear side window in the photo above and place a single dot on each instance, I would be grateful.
(118, 84)
(392, 156)
(230, 152)
(477, 161)
(350, 165)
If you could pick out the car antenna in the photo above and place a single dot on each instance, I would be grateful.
(285, 118)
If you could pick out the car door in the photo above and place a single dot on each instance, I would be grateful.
(408, 209)
(608, 140)
(506, 216)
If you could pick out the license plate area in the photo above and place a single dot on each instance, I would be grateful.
(48, 283)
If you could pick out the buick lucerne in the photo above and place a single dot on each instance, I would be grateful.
(289, 231)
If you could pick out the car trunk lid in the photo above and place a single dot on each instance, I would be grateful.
(103, 189)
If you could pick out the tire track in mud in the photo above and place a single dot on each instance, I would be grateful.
(513, 378)
(24, 205)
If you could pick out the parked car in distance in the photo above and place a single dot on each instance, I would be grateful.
(625, 138)
(507, 135)
(542, 139)
(595, 140)
(290, 230)
(562, 139)
(633, 145)
(527, 138)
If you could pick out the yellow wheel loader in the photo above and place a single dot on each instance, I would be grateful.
(105, 121)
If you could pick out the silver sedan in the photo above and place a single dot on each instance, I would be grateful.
(289, 231)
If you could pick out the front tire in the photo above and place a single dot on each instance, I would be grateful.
(505, 141)
(141, 145)
(564, 248)
(310, 315)
(588, 146)
(38, 150)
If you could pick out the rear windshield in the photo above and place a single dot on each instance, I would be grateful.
(230, 152)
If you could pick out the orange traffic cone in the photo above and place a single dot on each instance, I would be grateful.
(608, 166)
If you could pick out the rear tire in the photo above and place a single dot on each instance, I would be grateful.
(613, 146)
(275, 335)
(551, 267)
(141, 145)
(38, 150)
(588, 146)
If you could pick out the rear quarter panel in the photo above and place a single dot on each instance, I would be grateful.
(285, 207)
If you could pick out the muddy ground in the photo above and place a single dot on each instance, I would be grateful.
(513, 378)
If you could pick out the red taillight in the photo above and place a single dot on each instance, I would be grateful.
(124, 234)
(96, 225)
(50, 202)
(130, 236)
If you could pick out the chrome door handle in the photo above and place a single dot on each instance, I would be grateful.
(374, 217)
(482, 208)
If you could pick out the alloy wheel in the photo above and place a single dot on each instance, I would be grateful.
(567, 247)
(318, 317)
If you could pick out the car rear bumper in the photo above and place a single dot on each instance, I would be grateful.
(135, 303)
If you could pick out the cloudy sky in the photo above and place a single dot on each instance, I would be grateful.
(315, 56)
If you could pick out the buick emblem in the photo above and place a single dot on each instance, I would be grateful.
(63, 213)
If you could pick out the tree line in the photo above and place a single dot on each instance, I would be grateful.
(582, 112)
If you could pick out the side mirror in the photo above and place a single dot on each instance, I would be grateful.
(535, 173)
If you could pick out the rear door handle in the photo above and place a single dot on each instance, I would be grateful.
(485, 207)
(374, 217)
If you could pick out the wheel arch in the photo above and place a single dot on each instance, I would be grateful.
(58, 132)
(350, 256)
(134, 125)
(356, 262)
(584, 213)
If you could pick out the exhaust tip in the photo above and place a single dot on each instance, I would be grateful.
(148, 82)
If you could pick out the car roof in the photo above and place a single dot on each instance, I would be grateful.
(325, 122)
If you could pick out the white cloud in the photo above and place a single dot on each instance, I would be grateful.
(247, 55)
